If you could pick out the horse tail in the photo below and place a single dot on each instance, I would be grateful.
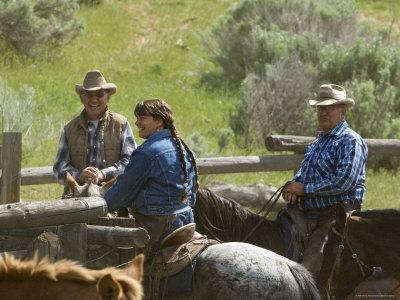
(305, 281)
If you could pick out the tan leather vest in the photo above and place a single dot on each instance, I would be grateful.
(111, 127)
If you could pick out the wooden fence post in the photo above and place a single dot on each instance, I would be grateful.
(11, 167)
(46, 245)
(75, 242)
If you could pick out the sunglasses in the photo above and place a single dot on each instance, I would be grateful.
(98, 94)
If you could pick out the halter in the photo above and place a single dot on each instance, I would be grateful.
(344, 238)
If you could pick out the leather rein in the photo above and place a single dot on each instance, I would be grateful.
(277, 195)
(345, 239)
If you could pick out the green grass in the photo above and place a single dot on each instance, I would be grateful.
(150, 49)
(382, 9)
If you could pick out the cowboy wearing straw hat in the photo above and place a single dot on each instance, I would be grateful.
(98, 143)
(332, 171)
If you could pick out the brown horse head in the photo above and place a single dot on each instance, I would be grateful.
(89, 189)
(65, 279)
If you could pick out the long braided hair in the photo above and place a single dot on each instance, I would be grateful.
(159, 109)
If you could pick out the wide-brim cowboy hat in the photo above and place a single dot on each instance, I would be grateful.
(95, 81)
(331, 94)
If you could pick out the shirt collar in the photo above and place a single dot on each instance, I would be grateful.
(337, 130)
(159, 134)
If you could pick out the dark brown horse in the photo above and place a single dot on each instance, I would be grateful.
(225, 220)
(356, 244)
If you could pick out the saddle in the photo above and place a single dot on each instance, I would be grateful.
(177, 252)
(300, 229)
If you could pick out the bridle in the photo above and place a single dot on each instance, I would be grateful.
(344, 238)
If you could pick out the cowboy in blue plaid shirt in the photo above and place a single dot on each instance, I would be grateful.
(332, 171)
(98, 143)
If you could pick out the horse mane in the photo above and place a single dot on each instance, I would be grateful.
(15, 269)
(227, 221)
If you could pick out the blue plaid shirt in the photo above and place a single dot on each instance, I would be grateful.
(62, 162)
(333, 168)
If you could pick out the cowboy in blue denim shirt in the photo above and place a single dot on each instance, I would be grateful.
(160, 180)
(332, 171)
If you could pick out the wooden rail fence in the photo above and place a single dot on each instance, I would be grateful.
(78, 229)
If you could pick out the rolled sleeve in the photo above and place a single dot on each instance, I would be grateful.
(124, 191)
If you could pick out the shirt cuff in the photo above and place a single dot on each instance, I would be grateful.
(308, 188)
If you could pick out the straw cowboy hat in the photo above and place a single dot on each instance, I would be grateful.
(94, 81)
(331, 94)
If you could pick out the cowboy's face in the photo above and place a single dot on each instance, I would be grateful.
(95, 102)
(329, 116)
(148, 125)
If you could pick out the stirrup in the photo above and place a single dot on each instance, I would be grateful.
(179, 236)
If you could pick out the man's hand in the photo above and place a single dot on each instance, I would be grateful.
(93, 174)
(293, 192)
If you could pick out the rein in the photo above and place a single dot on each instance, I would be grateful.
(277, 195)
(344, 238)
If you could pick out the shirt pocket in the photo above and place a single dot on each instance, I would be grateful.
(326, 163)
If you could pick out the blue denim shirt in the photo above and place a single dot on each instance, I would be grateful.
(153, 180)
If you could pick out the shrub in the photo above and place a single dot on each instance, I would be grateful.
(29, 27)
(197, 143)
(18, 114)
(224, 138)
(91, 2)
(280, 51)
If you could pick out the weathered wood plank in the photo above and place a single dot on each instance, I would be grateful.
(74, 242)
(22, 254)
(38, 175)
(238, 164)
(47, 245)
(51, 212)
(211, 165)
(106, 235)
(381, 147)
(11, 167)
(118, 236)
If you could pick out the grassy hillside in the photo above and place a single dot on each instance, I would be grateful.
(149, 49)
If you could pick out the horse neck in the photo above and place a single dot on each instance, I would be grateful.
(373, 236)
(268, 235)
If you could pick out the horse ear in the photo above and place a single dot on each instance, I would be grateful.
(109, 288)
(135, 268)
(73, 185)
(340, 216)
(71, 181)
(104, 188)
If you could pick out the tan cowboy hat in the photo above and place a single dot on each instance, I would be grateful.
(95, 81)
(331, 94)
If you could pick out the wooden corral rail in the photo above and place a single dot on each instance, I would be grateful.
(212, 165)
(389, 147)
(51, 212)
(102, 235)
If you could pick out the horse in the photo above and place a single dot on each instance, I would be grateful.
(66, 279)
(225, 220)
(241, 270)
(357, 243)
